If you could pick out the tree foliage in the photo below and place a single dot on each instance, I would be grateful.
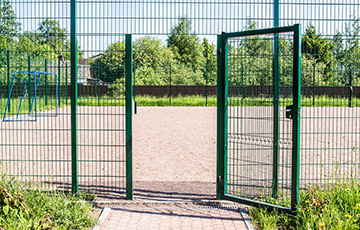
(347, 53)
(110, 65)
(185, 44)
(210, 61)
(8, 25)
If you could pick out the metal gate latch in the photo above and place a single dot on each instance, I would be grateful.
(289, 111)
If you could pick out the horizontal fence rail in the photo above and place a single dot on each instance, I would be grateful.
(39, 39)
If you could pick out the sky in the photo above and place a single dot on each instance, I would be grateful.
(103, 22)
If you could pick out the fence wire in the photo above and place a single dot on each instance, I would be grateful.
(40, 151)
(257, 168)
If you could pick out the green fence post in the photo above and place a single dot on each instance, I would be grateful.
(129, 111)
(220, 107)
(206, 84)
(74, 98)
(314, 68)
(46, 84)
(8, 77)
(222, 116)
(295, 170)
(350, 85)
(29, 81)
(58, 85)
(170, 85)
(276, 95)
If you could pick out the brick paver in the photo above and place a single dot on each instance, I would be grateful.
(182, 216)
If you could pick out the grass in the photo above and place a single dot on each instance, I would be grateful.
(195, 100)
(336, 206)
(30, 208)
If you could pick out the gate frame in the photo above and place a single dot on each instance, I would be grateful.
(222, 116)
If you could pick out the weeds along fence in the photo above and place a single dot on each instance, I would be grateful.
(83, 42)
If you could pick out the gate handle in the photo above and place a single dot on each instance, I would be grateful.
(289, 111)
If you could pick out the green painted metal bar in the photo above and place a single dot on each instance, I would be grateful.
(220, 122)
(74, 100)
(295, 170)
(58, 86)
(276, 13)
(225, 112)
(257, 204)
(129, 111)
(222, 117)
(8, 77)
(46, 84)
(276, 94)
(247, 33)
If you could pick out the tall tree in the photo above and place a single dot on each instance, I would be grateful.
(150, 51)
(347, 53)
(9, 27)
(52, 34)
(315, 45)
(185, 44)
(210, 61)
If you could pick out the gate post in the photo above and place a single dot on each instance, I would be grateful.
(276, 95)
(74, 97)
(296, 120)
(129, 111)
(222, 93)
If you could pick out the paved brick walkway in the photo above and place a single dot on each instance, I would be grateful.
(158, 216)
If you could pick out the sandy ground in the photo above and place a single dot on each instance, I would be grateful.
(174, 153)
(175, 144)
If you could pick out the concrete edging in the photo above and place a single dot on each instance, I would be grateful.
(246, 218)
(104, 214)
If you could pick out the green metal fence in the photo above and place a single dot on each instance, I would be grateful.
(43, 30)
(87, 146)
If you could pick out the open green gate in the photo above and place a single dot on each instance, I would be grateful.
(259, 117)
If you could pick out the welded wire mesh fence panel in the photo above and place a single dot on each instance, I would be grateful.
(36, 38)
(101, 116)
(330, 134)
(259, 133)
(34, 150)
(152, 17)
